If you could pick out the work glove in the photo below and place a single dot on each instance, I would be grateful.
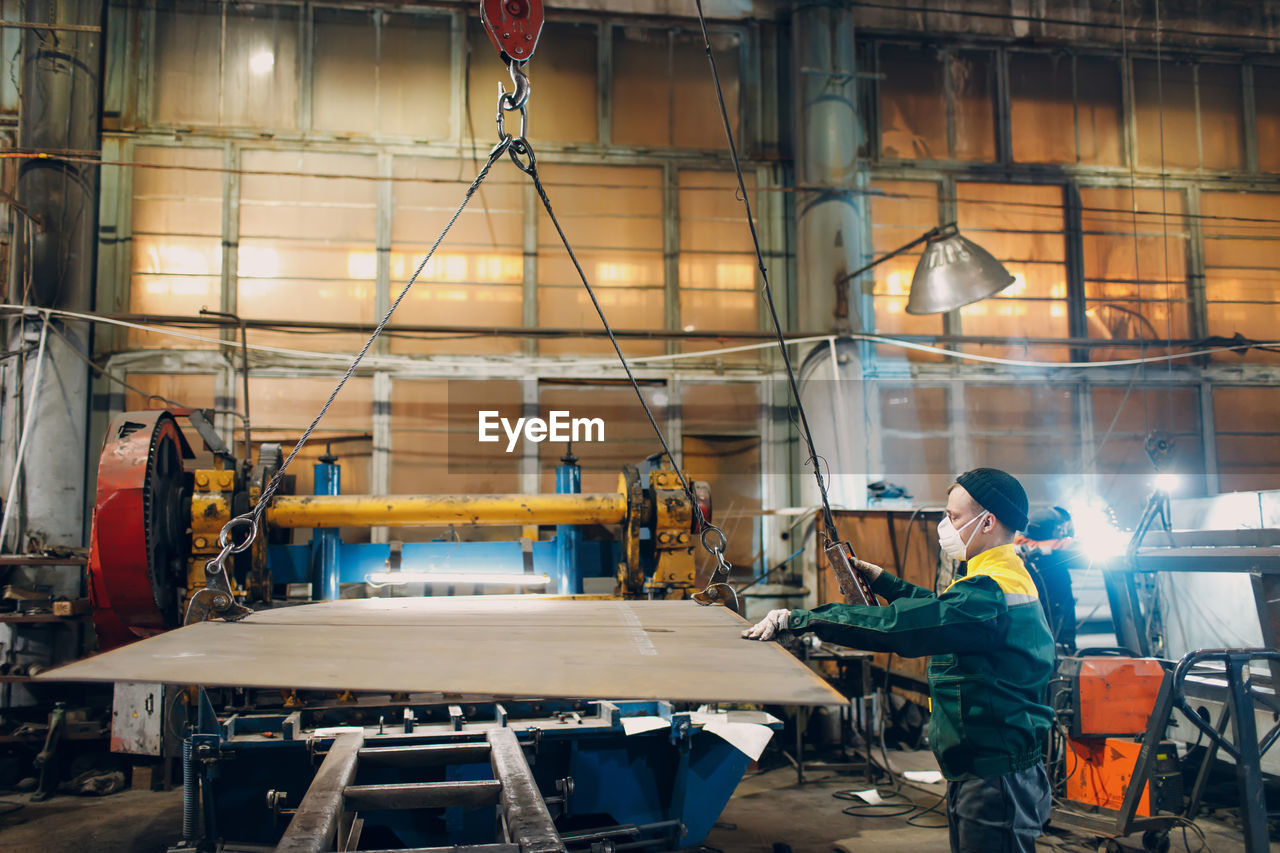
(869, 570)
(768, 627)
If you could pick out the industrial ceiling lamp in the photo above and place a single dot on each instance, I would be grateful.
(953, 272)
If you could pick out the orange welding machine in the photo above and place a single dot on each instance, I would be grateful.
(1106, 703)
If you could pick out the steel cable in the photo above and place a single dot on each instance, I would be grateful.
(828, 519)
(253, 518)
(521, 147)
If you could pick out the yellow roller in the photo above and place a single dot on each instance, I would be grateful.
(424, 510)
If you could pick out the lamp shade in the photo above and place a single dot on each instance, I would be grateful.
(953, 272)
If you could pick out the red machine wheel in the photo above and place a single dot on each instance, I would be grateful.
(138, 547)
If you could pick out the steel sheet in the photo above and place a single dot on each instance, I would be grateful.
(517, 646)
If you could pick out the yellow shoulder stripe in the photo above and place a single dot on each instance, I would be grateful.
(1003, 566)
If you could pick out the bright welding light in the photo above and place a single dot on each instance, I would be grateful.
(480, 578)
(1095, 530)
(262, 62)
(1168, 482)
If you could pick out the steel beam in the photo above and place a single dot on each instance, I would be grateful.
(315, 824)
(524, 811)
(422, 795)
(1266, 597)
(1244, 538)
(1262, 559)
(422, 510)
(428, 755)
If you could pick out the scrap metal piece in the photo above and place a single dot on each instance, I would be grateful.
(528, 646)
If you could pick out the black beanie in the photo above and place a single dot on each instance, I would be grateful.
(999, 494)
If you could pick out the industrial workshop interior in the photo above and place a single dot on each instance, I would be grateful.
(585, 426)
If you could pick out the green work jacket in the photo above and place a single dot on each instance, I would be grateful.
(991, 657)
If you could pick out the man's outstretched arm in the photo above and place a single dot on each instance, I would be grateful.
(966, 618)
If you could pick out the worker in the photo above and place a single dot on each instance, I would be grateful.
(991, 656)
(1050, 551)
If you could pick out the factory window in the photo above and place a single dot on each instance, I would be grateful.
(564, 73)
(225, 64)
(614, 221)
(1065, 109)
(717, 267)
(1221, 116)
(10, 59)
(913, 104)
(937, 106)
(721, 445)
(1247, 442)
(435, 448)
(1135, 265)
(1188, 116)
(377, 72)
(1266, 94)
(629, 438)
(307, 243)
(900, 212)
(282, 408)
(1022, 227)
(1027, 430)
(176, 248)
(916, 440)
(1123, 417)
(1241, 263)
(663, 95)
(476, 276)
(186, 389)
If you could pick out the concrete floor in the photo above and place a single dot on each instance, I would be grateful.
(770, 809)
(767, 809)
(128, 822)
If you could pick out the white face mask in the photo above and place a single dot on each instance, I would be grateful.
(950, 541)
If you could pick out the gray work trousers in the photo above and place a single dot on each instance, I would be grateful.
(1002, 814)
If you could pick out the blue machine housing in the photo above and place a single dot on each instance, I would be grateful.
(660, 790)
(326, 561)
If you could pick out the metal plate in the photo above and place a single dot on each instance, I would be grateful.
(489, 645)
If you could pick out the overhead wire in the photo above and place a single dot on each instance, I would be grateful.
(798, 188)
(1137, 255)
(148, 396)
(829, 525)
(887, 340)
(1042, 19)
(1164, 199)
